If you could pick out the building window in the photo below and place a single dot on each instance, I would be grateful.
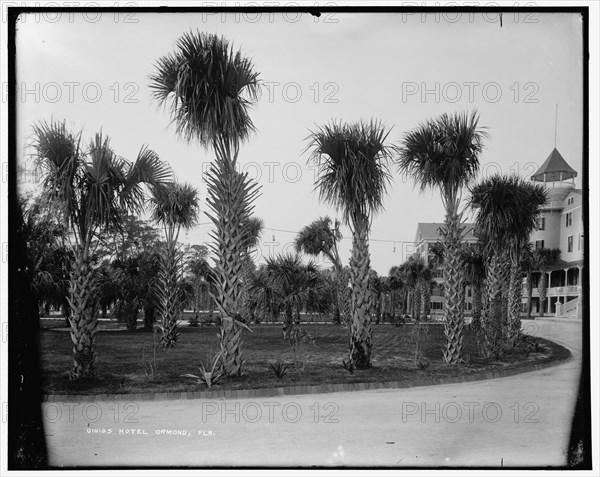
(570, 243)
(541, 223)
(539, 244)
(569, 200)
(569, 219)
(436, 305)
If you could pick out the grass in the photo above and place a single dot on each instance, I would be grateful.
(124, 357)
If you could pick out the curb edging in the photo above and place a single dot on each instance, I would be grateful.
(301, 389)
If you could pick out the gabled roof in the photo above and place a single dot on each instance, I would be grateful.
(431, 231)
(555, 168)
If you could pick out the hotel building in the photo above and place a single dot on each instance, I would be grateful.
(560, 226)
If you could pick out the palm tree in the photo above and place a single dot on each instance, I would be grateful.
(544, 258)
(376, 285)
(174, 206)
(507, 211)
(396, 284)
(417, 277)
(210, 89)
(352, 162)
(93, 188)
(473, 260)
(444, 152)
(321, 237)
(290, 284)
(45, 237)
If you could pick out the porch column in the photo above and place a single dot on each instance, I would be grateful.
(579, 281)
(566, 277)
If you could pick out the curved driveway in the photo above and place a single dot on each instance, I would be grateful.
(516, 421)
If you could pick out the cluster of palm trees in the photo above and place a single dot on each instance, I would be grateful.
(92, 187)
(209, 89)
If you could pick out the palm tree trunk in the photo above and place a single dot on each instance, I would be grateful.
(404, 302)
(288, 321)
(131, 312)
(83, 318)
(230, 195)
(490, 336)
(149, 316)
(343, 298)
(476, 320)
(414, 307)
(360, 263)
(506, 269)
(542, 289)
(169, 306)
(453, 291)
(514, 303)
(423, 293)
(529, 293)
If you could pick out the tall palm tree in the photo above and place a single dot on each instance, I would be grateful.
(507, 211)
(322, 237)
(444, 153)
(93, 187)
(544, 258)
(352, 163)
(210, 89)
(174, 206)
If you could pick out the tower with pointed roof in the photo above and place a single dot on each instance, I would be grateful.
(560, 226)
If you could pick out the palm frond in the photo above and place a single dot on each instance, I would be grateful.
(147, 171)
(507, 209)
(253, 228)
(208, 87)
(352, 163)
(443, 152)
(59, 157)
(319, 237)
(175, 204)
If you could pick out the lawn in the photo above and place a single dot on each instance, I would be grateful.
(124, 359)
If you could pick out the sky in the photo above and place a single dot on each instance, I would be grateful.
(92, 71)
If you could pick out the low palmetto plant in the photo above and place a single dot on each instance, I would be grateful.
(279, 369)
(348, 365)
(208, 377)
